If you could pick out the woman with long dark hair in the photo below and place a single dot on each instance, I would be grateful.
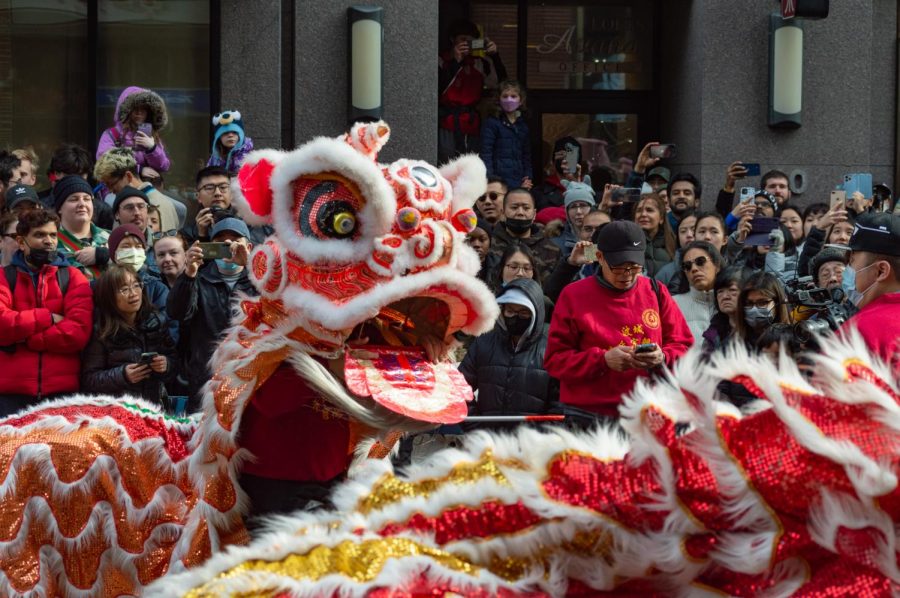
(131, 351)
(762, 302)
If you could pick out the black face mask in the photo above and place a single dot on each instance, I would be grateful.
(40, 257)
(515, 325)
(519, 226)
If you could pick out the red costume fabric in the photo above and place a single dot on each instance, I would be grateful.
(46, 357)
(590, 319)
(879, 326)
(293, 433)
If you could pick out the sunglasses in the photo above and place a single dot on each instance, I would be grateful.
(493, 195)
(687, 265)
(165, 233)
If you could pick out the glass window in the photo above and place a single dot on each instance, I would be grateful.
(499, 22)
(163, 46)
(604, 139)
(44, 98)
(602, 45)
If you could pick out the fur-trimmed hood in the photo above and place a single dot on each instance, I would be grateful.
(132, 97)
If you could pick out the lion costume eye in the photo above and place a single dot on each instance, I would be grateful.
(327, 209)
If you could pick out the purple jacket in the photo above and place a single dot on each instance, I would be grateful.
(117, 136)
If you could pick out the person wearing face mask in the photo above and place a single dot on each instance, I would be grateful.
(45, 317)
(611, 329)
(518, 226)
(873, 280)
(200, 300)
(127, 248)
(506, 365)
(505, 140)
(762, 302)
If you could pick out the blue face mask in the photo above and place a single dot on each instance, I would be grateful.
(848, 284)
(227, 267)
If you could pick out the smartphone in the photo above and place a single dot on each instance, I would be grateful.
(760, 229)
(663, 150)
(146, 129)
(838, 199)
(747, 194)
(476, 43)
(146, 358)
(572, 158)
(590, 253)
(861, 181)
(627, 194)
(215, 251)
(645, 348)
(752, 168)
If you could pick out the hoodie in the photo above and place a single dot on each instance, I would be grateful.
(510, 378)
(118, 136)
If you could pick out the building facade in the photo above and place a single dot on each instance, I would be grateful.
(612, 73)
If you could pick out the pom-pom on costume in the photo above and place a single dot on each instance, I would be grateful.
(100, 496)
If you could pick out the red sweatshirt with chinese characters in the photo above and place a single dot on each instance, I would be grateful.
(590, 319)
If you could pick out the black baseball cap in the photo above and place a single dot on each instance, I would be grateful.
(876, 232)
(621, 242)
(19, 193)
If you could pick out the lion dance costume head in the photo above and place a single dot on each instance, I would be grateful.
(103, 495)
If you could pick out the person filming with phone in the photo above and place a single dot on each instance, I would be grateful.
(611, 329)
(201, 297)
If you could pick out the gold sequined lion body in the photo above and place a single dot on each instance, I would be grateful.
(103, 495)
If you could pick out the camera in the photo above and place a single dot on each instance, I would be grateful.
(818, 310)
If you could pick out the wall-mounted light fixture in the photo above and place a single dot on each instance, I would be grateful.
(366, 41)
(785, 71)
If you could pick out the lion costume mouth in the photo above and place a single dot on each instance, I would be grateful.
(401, 375)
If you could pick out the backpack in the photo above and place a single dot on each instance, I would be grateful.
(11, 273)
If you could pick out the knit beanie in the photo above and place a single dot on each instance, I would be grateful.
(122, 231)
(125, 193)
(578, 192)
(227, 122)
(66, 186)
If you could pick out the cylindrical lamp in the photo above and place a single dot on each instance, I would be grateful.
(785, 72)
(366, 67)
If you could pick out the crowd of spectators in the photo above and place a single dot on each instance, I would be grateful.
(602, 279)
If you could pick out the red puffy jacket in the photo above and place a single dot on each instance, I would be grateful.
(42, 358)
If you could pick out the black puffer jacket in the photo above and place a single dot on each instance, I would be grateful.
(202, 305)
(511, 380)
(104, 360)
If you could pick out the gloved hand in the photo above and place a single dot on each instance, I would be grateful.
(777, 237)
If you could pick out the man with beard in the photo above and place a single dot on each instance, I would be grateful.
(684, 195)
(518, 225)
(774, 182)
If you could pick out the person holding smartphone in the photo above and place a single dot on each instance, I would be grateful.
(202, 295)
(130, 351)
(139, 116)
(614, 328)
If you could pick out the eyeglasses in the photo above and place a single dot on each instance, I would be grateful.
(688, 265)
(136, 287)
(523, 268)
(626, 270)
(580, 207)
(165, 233)
(138, 206)
(493, 195)
(210, 188)
(761, 303)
